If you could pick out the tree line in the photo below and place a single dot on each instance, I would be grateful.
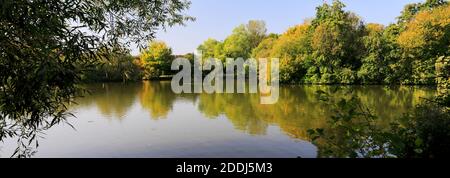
(335, 47)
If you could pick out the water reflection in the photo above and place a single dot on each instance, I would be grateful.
(148, 120)
(297, 110)
(157, 98)
(113, 100)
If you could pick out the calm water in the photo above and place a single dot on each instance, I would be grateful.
(148, 120)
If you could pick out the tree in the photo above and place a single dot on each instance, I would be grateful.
(45, 46)
(374, 67)
(292, 48)
(256, 32)
(424, 39)
(156, 59)
(210, 49)
(264, 49)
(243, 39)
(410, 10)
(396, 68)
(237, 44)
(336, 41)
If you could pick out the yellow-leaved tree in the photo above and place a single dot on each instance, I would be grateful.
(427, 37)
(156, 59)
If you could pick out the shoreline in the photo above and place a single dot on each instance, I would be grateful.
(281, 84)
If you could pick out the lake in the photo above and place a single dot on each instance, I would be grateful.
(148, 120)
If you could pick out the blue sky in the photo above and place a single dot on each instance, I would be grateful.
(217, 18)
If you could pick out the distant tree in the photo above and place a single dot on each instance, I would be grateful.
(156, 59)
(243, 39)
(264, 49)
(237, 44)
(292, 48)
(336, 41)
(256, 32)
(210, 48)
(189, 56)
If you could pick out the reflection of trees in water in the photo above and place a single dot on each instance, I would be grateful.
(298, 108)
(388, 103)
(112, 99)
(238, 108)
(158, 98)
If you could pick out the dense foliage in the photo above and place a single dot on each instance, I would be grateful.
(156, 60)
(240, 43)
(117, 66)
(337, 47)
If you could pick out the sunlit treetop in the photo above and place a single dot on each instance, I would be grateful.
(428, 32)
(157, 51)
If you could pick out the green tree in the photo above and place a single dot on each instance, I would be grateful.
(374, 68)
(264, 49)
(397, 69)
(336, 41)
(156, 60)
(244, 39)
(256, 30)
(45, 46)
(210, 49)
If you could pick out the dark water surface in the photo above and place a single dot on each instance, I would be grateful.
(148, 120)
